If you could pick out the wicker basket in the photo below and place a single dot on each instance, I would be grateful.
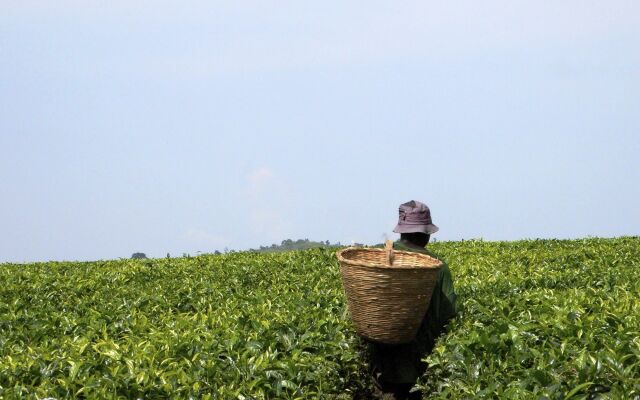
(388, 292)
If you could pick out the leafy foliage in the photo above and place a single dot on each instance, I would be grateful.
(233, 326)
(542, 319)
(539, 319)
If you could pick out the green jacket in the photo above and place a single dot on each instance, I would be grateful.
(403, 363)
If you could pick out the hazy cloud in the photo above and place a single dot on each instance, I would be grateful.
(302, 35)
(268, 199)
(259, 180)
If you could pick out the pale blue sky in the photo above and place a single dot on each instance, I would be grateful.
(194, 126)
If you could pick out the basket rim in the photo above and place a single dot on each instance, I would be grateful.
(344, 260)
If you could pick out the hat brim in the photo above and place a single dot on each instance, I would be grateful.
(406, 228)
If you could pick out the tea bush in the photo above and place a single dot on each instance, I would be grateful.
(552, 319)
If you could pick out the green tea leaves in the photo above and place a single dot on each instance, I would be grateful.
(549, 319)
(539, 319)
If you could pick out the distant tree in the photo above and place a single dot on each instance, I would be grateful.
(139, 256)
(299, 244)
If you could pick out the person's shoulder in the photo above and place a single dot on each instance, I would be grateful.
(398, 245)
(432, 254)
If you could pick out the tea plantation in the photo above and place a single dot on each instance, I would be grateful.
(554, 319)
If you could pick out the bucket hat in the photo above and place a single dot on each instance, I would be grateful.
(414, 216)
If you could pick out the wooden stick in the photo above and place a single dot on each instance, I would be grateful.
(388, 246)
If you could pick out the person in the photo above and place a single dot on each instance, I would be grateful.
(395, 368)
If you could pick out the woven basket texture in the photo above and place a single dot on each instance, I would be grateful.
(387, 302)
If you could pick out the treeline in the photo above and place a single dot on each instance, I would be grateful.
(300, 244)
(285, 245)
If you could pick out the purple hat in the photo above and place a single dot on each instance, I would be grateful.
(415, 217)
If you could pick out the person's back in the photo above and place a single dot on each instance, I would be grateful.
(395, 368)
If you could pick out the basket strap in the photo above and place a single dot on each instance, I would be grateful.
(388, 247)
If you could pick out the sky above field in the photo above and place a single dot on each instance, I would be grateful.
(185, 127)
